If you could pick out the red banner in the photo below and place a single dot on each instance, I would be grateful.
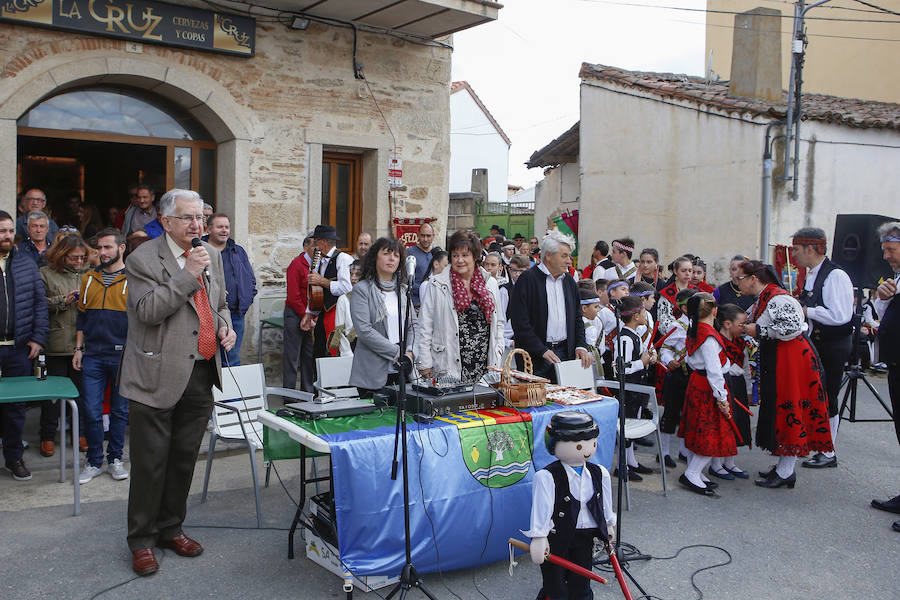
(791, 275)
(407, 230)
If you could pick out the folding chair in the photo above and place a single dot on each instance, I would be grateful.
(638, 428)
(333, 381)
(235, 417)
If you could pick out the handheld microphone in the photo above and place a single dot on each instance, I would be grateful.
(410, 269)
(196, 243)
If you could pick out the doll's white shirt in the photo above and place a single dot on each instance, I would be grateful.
(580, 486)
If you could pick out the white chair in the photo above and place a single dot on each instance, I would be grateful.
(333, 381)
(638, 428)
(235, 417)
(572, 374)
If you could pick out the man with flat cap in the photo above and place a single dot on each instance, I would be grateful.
(333, 275)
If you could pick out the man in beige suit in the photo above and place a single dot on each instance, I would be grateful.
(176, 310)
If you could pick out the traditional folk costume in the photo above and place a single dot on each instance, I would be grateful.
(703, 426)
(730, 293)
(793, 414)
(675, 382)
(343, 338)
(635, 372)
(668, 310)
(616, 272)
(828, 298)
(736, 350)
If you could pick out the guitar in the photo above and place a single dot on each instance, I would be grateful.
(315, 293)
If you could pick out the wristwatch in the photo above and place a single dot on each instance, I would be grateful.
(79, 348)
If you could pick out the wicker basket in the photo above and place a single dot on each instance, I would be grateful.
(521, 394)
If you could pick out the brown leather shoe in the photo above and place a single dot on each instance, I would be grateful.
(82, 444)
(144, 562)
(182, 545)
(48, 449)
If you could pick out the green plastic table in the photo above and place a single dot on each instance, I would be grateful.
(32, 389)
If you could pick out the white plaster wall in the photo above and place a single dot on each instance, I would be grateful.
(670, 177)
(853, 171)
(475, 144)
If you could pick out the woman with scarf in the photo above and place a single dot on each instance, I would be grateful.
(793, 409)
(460, 326)
(378, 309)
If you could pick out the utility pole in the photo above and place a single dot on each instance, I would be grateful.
(794, 113)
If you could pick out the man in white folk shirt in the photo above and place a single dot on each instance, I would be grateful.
(827, 301)
(333, 274)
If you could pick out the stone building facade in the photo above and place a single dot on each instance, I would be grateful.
(273, 120)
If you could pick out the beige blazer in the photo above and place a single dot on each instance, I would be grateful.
(162, 323)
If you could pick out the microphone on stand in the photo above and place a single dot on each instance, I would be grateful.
(410, 269)
(196, 243)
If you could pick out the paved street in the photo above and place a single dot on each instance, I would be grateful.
(820, 540)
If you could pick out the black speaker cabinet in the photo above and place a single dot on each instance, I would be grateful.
(856, 248)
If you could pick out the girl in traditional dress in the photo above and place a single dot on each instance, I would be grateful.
(793, 409)
(671, 355)
(705, 420)
(732, 318)
(668, 309)
(698, 276)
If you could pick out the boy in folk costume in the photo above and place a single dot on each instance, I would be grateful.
(671, 355)
(343, 339)
(732, 318)
(622, 268)
(593, 327)
(706, 418)
(571, 505)
(638, 359)
(647, 295)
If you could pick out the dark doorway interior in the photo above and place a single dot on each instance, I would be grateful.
(100, 171)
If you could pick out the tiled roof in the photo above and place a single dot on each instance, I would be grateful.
(850, 112)
(464, 85)
(563, 149)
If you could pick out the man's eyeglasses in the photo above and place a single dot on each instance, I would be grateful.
(189, 218)
(742, 277)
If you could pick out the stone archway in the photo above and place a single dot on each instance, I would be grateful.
(194, 91)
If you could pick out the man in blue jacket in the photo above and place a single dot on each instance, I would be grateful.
(24, 326)
(240, 283)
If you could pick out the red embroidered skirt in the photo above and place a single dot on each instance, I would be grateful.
(705, 429)
(793, 408)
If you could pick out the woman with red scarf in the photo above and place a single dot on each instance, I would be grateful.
(793, 409)
(460, 327)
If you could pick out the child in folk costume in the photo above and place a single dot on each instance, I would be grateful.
(638, 358)
(671, 355)
(706, 419)
(647, 295)
(615, 291)
(342, 340)
(698, 276)
(732, 318)
(571, 505)
(668, 310)
(593, 328)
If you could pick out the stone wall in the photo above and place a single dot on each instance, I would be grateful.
(296, 98)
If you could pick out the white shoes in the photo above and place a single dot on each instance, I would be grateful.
(117, 470)
(89, 473)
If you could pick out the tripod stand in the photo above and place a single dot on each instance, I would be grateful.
(629, 552)
(856, 373)
(409, 577)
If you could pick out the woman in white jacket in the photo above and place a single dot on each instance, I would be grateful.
(461, 326)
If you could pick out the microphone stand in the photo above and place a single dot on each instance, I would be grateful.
(630, 553)
(409, 577)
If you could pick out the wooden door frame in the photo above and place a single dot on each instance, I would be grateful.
(355, 162)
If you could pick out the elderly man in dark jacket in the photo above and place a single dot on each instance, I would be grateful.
(545, 310)
(24, 326)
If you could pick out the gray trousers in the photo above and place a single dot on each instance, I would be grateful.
(298, 354)
(164, 447)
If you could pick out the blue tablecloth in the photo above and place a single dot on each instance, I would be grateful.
(455, 521)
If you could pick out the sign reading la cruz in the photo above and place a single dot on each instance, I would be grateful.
(140, 21)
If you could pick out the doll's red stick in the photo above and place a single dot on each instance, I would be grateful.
(614, 560)
(565, 564)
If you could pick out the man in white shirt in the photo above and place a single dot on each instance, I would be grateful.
(827, 301)
(333, 275)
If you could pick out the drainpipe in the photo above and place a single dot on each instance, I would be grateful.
(766, 206)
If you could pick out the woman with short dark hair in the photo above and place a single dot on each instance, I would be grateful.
(378, 310)
(793, 408)
(460, 326)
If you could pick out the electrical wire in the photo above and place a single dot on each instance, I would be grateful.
(877, 8)
(734, 12)
(820, 35)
